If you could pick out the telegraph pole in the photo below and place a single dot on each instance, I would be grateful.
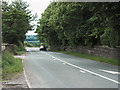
(0, 29)
(0, 45)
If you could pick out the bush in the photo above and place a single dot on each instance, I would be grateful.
(20, 44)
(18, 49)
(15, 52)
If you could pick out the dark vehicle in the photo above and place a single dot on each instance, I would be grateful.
(42, 48)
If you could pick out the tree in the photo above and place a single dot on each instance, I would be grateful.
(77, 23)
(16, 21)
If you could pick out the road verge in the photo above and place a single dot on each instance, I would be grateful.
(13, 72)
(92, 57)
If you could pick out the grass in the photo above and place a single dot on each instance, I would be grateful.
(19, 52)
(10, 65)
(92, 57)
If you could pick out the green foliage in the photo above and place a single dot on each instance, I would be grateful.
(78, 23)
(16, 20)
(20, 44)
(29, 45)
(17, 50)
(10, 64)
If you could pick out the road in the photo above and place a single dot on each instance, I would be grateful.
(45, 69)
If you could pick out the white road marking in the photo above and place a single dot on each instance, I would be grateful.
(84, 69)
(22, 57)
(28, 83)
(112, 72)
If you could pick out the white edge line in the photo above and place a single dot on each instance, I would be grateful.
(28, 84)
(84, 69)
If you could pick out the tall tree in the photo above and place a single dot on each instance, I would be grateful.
(78, 23)
(16, 21)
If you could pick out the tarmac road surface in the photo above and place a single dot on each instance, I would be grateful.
(45, 69)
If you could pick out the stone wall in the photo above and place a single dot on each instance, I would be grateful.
(8, 47)
(107, 52)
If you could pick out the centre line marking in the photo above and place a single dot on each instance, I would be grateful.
(84, 69)
(111, 72)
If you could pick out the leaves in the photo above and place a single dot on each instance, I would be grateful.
(16, 20)
(78, 23)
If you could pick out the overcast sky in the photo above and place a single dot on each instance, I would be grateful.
(37, 6)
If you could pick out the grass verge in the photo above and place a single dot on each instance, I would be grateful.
(92, 57)
(10, 65)
(19, 52)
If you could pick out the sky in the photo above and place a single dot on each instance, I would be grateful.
(37, 6)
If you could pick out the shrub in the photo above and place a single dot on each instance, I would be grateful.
(18, 49)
